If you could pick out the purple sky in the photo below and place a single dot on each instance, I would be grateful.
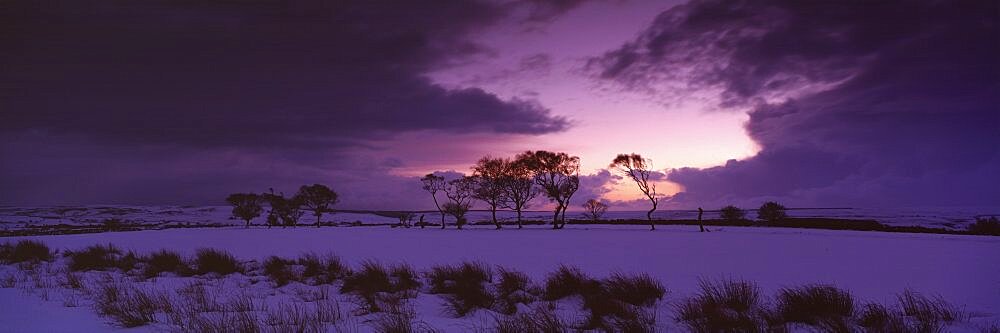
(863, 104)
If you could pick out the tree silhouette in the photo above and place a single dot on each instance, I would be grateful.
(558, 176)
(246, 206)
(432, 184)
(638, 169)
(459, 193)
(318, 199)
(519, 187)
(771, 211)
(732, 213)
(490, 174)
(284, 211)
(593, 209)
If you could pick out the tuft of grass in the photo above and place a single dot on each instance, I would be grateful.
(278, 270)
(724, 306)
(216, 261)
(513, 288)
(404, 278)
(878, 318)
(465, 286)
(165, 261)
(820, 306)
(126, 304)
(94, 258)
(540, 320)
(323, 270)
(566, 281)
(374, 283)
(640, 290)
(930, 314)
(24, 251)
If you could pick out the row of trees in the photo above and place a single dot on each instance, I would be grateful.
(284, 211)
(505, 183)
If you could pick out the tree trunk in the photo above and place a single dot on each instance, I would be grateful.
(555, 217)
(248, 224)
(494, 211)
(317, 219)
(519, 219)
(563, 217)
(700, 225)
(649, 216)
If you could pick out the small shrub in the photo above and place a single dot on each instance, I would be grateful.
(732, 213)
(165, 261)
(985, 226)
(512, 289)
(278, 270)
(771, 211)
(24, 251)
(464, 285)
(817, 305)
(640, 290)
(128, 262)
(94, 258)
(564, 282)
(725, 306)
(216, 261)
(929, 313)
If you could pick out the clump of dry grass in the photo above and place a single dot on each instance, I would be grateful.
(464, 286)
(540, 320)
(165, 261)
(512, 289)
(24, 251)
(127, 304)
(724, 306)
(821, 306)
(216, 261)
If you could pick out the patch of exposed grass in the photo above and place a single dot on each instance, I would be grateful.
(126, 304)
(165, 261)
(373, 282)
(930, 314)
(724, 306)
(94, 258)
(216, 261)
(512, 288)
(24, 251)
(540, 320)
(278, 270)
(566, 281)
(464, 285)
(640, 290)
(822, 306)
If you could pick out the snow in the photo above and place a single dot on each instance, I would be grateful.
(964, 270)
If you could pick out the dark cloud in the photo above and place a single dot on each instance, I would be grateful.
(184, 101)
(852, 103)
(247, 73)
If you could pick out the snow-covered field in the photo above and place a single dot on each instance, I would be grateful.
(20, 217)
(964, 270)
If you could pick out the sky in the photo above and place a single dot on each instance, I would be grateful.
(813, 104)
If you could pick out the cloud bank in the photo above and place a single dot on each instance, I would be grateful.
(891, 103)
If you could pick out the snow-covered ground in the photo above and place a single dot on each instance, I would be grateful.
(963, 270)
(20, 217)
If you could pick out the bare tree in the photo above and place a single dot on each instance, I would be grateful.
(318, 199)
(519, 187)
(432, 184)
(459, 193)
(558, 176)
(638, 168)
(490, 174)
(593, 209)
(246, 206)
